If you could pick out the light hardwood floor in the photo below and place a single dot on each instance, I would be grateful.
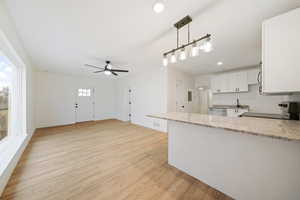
(101, 160)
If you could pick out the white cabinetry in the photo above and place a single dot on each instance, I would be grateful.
(238, 82)
(236, 112)
(216, 84)
(281, 53)
(230, 82)
(252, 76)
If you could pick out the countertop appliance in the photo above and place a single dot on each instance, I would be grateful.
(290, 109)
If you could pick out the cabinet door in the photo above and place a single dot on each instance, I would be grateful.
(231, 112)
(235, 112)
(238, 82)
(241, 111)
(223, 81)
(252, 75)
(219, 84)
(232, 82)
(242, 81)
(281, 68)
(215, 84)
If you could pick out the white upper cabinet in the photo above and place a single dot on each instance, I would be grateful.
(252, 76)
(230, 82)
(239, 82)
(216, 84)
(281, 53)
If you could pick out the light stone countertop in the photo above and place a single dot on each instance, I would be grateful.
(275, 128)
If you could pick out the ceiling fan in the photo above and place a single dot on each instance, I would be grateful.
(107, 69)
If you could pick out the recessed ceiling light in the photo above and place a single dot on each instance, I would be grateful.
(219, 63)
(158, 7)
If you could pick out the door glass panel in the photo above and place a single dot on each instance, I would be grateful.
(5, 90)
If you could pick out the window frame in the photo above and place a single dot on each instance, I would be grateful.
(17, 108)
(84, 92)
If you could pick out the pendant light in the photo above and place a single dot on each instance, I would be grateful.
(165, 60)
(182, 55)
(194, 50)
(173, 58)
(206, 46)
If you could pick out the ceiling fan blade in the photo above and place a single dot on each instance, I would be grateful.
(119, 70)
(93, 66)
(114, 73)
(99, 71)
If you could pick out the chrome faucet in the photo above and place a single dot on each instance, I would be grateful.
(238, 102)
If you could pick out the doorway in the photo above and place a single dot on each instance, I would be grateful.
(181, 97)
(84, 105)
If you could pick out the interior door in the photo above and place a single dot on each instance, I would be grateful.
(181, 96)
(84, 105)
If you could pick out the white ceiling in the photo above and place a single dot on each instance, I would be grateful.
(62, 35)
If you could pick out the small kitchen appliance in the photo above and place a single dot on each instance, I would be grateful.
(290, 109)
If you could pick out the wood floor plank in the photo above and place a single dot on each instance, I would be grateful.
(101, 160)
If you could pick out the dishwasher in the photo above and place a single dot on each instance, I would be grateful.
(218, 111)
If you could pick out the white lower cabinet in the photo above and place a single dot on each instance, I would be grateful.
(236, 112)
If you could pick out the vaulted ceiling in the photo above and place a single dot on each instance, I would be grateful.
(62, 35)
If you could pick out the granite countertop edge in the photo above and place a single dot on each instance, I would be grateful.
(238, 130)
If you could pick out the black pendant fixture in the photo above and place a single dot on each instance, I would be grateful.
(204, 44)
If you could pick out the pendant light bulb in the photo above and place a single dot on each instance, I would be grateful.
(165, 61)
(206, 46)
(173, 58)
(195, 50)
(182, 55)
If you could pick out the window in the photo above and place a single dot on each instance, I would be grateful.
(5, 95)
(84, 92)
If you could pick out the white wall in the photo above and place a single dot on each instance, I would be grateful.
(188, 81)
(15, 148)
(148, 97)
(56, 94)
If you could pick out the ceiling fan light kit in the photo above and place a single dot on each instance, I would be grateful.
(107, 69)
(205, 44)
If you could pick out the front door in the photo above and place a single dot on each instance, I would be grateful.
(84, 105)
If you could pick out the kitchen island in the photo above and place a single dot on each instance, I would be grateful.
(246, 158)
